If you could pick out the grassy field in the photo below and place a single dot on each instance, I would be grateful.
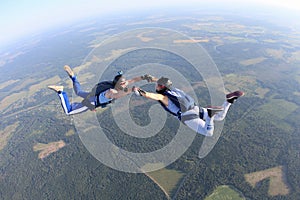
(6, 133)
(278, 54)
(246, 83)
(167, 179)
(190, 41)
(225, 192)
(17, 97)
(279, 108)
(235, 39)
(230, 28)
(47, 149)
(70, 132)
(252, 61)
(7, 83)
(277, 177)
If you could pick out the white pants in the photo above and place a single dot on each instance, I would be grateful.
(220, 115)
(206, 126)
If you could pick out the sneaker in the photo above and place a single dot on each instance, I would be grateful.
(56, 88)
(212, 110)
(68, 69)
(231, 97)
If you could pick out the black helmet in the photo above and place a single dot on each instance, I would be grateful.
(165, 82)
(117, 80)
(118, 77)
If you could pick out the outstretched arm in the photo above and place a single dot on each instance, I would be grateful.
(157, 97)
(146, 77)
(154, 79)
(149, 78)
(114, 94)
(135, 79)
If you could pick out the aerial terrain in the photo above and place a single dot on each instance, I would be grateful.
(256, 155)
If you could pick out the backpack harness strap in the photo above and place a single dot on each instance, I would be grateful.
(184, 118)
(102, 105)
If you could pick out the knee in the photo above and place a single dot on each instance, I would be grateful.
(206, 131)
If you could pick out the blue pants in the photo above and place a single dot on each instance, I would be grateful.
(76, 107)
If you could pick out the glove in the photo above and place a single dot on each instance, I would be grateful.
(147, 77)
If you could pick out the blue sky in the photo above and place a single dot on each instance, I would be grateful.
(24, 17)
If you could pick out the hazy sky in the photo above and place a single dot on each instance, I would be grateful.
(21, 17)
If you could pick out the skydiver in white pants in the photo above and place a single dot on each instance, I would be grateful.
(182, 106)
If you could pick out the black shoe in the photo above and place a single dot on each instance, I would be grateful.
(231, 97)
(212, 110)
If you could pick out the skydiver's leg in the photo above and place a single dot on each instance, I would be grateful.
(73, 108)
(76, 84)
(230, 99)
(218, 116)
(221, 115)
(203, 127)
(77, 88)
(198, 125)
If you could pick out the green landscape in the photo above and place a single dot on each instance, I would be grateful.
(256, 156)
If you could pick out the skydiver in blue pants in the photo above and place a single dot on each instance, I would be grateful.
(101, 95)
